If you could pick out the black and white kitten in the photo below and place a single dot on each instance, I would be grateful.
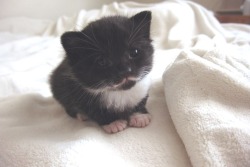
(104, 75)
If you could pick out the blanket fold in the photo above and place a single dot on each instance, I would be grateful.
(208, 96)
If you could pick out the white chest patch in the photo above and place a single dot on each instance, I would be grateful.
(126, 98)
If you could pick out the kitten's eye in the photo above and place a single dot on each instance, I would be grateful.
(134, 53)
(101, 61)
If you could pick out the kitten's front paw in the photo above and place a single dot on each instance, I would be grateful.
(115, 126)
(139, 120)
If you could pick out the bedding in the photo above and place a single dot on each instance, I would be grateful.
(199, 97)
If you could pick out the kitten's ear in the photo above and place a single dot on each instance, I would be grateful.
(141, 23)
(71, 40)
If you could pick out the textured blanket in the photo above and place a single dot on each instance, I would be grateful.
(208, 95)
(199, 98)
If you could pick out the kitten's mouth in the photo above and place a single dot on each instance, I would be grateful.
(125, 84)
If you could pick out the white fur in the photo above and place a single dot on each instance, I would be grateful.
(81, 117)
(126, 98)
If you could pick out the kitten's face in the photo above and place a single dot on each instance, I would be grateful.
(111, 53)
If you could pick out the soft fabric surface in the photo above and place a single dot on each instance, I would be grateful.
(208, 96)
(200, 111)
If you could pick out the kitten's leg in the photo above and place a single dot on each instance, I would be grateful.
(139, 120)
(141, 117)
(116, 126)
(75, 112)
(81, 117)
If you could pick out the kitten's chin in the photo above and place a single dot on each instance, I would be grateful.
(125, 84)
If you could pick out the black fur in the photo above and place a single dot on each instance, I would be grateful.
(100, 57)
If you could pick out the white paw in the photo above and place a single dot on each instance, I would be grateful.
(81, 117)
(139, 120)
(115, 126)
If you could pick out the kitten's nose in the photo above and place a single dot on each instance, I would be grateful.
(125, 70)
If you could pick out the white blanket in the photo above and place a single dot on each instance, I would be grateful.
(208, 95)
(205, 89)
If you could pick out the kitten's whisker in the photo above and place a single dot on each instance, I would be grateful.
(88, 42)
(96, 41)
(137, 39)
(75, 90)
(140, 23)
(83, 48)
(132, 30)
(138, 30)
(83, 40)
(93, 42)
(97, 85)
(87, 36)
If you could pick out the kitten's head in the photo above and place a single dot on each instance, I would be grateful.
(111, 53)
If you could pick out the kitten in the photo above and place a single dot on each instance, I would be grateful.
(104, 75)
